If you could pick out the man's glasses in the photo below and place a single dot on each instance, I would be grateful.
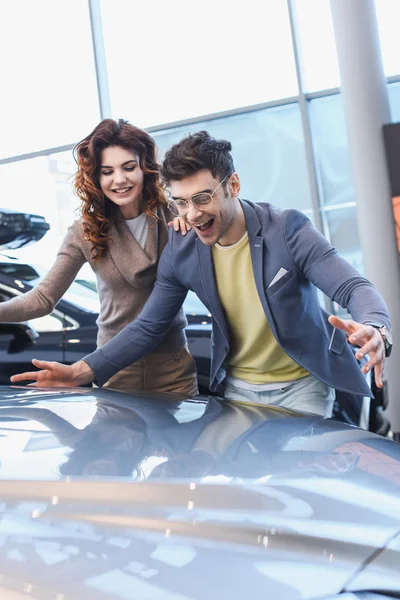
(180, 207)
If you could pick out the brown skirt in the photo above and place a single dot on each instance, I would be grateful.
(168, 372)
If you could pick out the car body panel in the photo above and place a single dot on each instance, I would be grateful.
(48, 344)
(109, 495)
(382, 573)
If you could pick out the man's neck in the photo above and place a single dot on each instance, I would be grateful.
(237, 228)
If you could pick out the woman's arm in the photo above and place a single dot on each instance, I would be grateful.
(42, 299)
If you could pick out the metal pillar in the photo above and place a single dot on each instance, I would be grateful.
(366, 106)
(100, 58)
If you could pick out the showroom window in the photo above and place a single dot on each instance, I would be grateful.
(388, 17)
(49, 96)
(228, 58)
(268, 150)
(338, 206)
(316, 39)
(178, 66)
(394, 101)
(41, 185)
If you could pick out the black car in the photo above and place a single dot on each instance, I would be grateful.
(69, 332)
(19, 229)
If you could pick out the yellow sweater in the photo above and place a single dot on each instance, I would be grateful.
(255, 356)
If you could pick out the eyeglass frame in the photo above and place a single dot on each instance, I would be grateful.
(197, 194)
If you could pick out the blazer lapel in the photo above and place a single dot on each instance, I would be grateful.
(208, 278)
(257, 252)
(136, 264)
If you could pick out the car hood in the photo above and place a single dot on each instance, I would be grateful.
(281, 505)
(91, 540)
(381, 574)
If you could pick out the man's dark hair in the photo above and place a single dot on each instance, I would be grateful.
(195, 152)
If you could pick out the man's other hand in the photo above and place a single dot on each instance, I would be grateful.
(370, 343)
(54, 374)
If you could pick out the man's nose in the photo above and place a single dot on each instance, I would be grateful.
(193, 213)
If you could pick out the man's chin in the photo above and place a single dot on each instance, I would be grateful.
(209, 239)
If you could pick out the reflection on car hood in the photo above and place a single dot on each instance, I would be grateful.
(382, 571)
(227, 499)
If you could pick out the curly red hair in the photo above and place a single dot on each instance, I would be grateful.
(96, 208)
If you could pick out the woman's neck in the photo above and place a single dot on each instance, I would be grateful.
(131, 211)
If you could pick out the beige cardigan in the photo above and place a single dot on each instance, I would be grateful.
(125, 279)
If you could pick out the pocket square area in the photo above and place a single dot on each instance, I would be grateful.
(278, 276)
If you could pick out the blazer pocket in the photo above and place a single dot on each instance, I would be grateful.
(277, 286)
(338, 341)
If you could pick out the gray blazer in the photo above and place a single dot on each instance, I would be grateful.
(280, 240)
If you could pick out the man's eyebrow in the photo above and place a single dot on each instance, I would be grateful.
(208, 191)
(133, 160)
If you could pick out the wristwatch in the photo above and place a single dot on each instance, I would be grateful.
(386, 336)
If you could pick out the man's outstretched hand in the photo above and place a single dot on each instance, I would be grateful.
(54, 374)
(369, 341)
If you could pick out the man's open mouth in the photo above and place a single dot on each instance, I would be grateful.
(204, 226)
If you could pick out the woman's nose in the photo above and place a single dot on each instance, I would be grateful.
(119, 176)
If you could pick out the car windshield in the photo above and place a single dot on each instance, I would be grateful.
(80, 293)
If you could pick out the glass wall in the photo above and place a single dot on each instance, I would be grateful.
(337, 201)
(268, 149)
(229, 70)
(315, 34)
(316, 40)
(41, 185)
(394, 101)
(49, 94)
(388, 16)
(228, 56)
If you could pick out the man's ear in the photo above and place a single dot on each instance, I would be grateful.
(234, 185)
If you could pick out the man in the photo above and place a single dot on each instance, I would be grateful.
(256, 268)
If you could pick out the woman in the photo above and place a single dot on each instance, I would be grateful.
(121, 233)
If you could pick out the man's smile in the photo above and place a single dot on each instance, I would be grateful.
(204, 225)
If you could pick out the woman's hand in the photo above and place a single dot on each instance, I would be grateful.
(180, 224)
